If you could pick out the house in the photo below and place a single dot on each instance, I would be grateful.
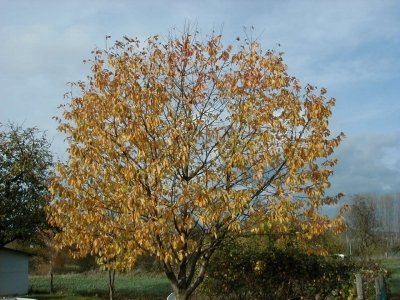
(13, 272)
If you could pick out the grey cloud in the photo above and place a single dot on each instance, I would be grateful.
(368, 164)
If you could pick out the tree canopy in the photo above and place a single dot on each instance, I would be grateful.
(25, 166)
(176, 145)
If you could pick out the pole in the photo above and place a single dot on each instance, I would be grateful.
(360, 294)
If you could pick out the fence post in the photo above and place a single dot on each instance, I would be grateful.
(360, 294)
(382, 287)
(377, 289)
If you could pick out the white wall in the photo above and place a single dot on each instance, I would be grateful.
(13, 272)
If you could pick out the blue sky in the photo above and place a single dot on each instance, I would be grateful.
(350, 47)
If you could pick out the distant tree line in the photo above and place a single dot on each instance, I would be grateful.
(373, 225)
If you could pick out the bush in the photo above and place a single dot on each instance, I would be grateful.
(246, 271)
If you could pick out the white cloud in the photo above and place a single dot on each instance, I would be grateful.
(347, 46)
(335, 42)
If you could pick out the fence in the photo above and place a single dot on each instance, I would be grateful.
(380, 288)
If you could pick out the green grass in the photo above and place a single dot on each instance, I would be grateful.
(94, 286)
(393, 266)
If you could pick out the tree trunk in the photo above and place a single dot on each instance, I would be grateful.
(51, 279)
(191, 272)
(111, 286)
(51, 283)
(185, 284)
(180, 294)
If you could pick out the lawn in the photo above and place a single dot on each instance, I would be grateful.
(94, 286)
(393, 266)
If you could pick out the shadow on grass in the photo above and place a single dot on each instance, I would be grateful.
(61, 296)
(45, 296)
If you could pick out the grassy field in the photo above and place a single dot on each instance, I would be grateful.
(393, 266)
(94, 286)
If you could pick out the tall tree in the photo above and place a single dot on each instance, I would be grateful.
(363, 225)
(175, 146)
(25, 166)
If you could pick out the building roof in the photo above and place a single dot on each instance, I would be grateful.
(15, 251)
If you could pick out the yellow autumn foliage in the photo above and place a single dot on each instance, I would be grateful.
(175, 145)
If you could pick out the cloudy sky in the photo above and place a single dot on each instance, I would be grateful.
(350, 47)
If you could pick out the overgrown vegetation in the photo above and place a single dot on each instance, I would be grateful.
(245, 271)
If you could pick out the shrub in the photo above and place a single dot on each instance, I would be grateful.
(246, 271)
